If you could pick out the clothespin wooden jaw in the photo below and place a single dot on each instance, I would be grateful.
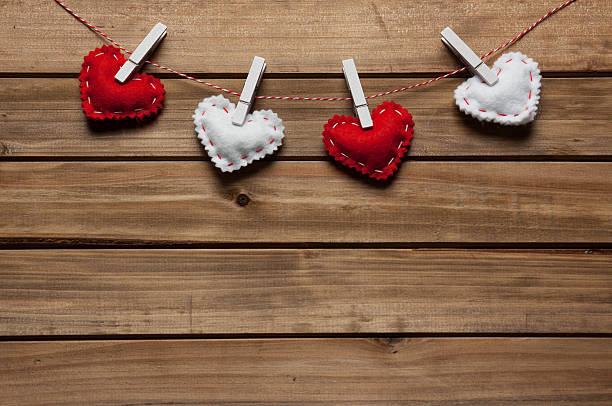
(249, 90)
(468, 57)
(141, 53)
(360, 104)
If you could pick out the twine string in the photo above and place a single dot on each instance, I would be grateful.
(401, 89)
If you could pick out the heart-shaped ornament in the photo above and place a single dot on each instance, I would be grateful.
(232, 147)
(513, 100)
(376, 152)
(104, 98)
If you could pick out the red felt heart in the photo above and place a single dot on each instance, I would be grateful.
(376, 152)
(105, 98)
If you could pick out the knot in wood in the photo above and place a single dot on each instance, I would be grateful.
(243, 199)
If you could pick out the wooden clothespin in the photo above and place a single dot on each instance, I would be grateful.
(248, 91)
(141, 53)
(360, 105)
(468, 57)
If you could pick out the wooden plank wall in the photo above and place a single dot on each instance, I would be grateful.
(133, 273)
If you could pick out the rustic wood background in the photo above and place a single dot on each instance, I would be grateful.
(133, 273)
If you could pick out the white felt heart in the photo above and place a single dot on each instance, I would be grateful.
(513, 100)
(232, 147)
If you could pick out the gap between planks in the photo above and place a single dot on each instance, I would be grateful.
(60, 243)
(439, 158)
(301, 75)
(292, 336)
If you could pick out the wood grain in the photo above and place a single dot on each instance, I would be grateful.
(152, 186)
(419, 371)
(300, 202)
(43, 117)
(102, 292)
(305, 36)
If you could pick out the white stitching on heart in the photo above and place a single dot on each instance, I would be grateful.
(498, 73)
(331, 141)
(272, 141)
(114, 112)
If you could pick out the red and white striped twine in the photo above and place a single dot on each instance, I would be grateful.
(427, 82)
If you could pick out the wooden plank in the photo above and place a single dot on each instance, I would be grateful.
(43, 117)
(418, 371)
(301, 202)
(81, 292)
(305, 36)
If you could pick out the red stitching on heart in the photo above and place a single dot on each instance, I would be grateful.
(500, 114)
(272, 141)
